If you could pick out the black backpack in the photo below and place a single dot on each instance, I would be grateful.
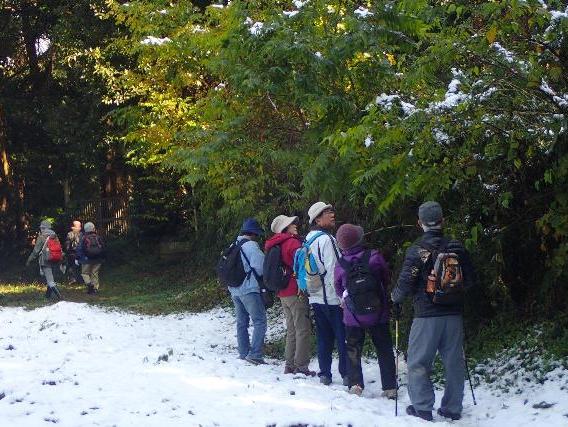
(362, 287)
(230, 269)
(274, 272)
(93, 245)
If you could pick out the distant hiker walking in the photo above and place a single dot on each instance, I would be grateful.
(49, 253)
(90, 255)
(280, 250)
(436, 271)
(71, 244)
(246, 294)
(325, 303)
(361, 280)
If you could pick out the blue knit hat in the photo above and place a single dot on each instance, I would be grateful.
(251, 226)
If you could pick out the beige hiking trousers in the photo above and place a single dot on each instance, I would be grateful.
(298, 331)
(90, 274)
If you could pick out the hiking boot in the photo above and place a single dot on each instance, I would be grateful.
(450, 415)
(305, 371)
(48, 293)
(325, 380)
(389, 393)
(255, 361)
(90, 290)
(425, 415)
(289, 370)
(346, 381)
(356, 389)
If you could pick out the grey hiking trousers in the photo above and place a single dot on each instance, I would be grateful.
(428, 336)
(47, 272)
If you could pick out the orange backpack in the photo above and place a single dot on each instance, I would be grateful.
(445, 279)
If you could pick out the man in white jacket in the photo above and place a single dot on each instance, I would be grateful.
(325, 303)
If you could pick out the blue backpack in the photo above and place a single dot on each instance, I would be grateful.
(305, 266)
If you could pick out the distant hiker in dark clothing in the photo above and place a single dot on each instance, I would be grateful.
(325, 303)
(49, 253)
(71, 244)
(366, 274)
(90, 254)
(246, 297)
(435, 273)
(294, 303)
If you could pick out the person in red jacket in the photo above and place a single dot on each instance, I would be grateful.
(294, 302)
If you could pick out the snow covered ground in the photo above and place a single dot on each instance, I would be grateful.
(79, 365)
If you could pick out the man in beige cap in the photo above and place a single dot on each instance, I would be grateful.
(323, 299)
(294, 303)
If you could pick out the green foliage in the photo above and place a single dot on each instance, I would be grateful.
(262, 108)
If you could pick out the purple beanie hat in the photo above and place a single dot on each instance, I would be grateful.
(349, 236)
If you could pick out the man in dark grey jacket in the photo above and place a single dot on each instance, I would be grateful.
(436, 327)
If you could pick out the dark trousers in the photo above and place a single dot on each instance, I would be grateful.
(330, 329)
(73, 270)
(381, 337)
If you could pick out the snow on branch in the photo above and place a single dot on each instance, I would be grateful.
(155, 41)
(452, 98)
(509, 56)
(362, 12)
(560, 99)
(256, 28)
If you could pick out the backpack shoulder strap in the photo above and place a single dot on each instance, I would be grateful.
(346, 265)
(45, 243)
(337, 254)
(251, 268)
(312, 239)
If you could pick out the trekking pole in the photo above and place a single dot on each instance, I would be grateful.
(396, 368)
(468, 376)
(467, 367)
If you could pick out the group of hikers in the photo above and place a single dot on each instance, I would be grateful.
(80, 258)
(346, 286)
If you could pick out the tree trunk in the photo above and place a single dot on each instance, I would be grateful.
(30, 39)
(6, 183)
(66, 193)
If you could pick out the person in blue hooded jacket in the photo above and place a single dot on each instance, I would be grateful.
(247, 299)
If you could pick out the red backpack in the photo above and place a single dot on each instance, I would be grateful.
(52, 249)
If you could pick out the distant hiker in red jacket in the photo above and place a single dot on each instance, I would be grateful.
(294, 303)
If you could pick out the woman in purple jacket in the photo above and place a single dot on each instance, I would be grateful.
(350, 240)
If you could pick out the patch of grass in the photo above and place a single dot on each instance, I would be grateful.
(149, 287)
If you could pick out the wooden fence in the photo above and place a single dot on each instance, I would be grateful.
(110, 215)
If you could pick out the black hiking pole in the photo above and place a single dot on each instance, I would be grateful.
(468, 376)
(396, 368)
